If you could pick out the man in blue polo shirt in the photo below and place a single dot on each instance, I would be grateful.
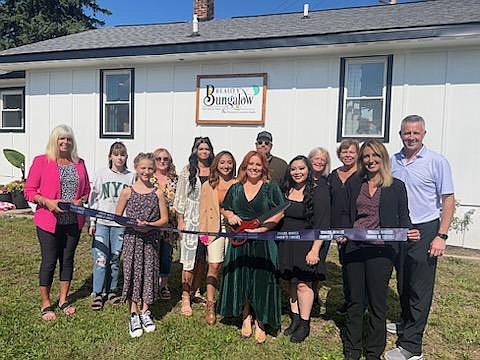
(428, 179)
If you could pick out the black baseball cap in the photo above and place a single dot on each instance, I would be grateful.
(264, 135)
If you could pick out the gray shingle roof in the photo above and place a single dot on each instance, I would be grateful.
(334, 21)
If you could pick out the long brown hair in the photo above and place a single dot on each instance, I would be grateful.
(242, 170)
(117, 148)
(214, 177)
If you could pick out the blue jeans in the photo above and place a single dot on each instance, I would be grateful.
(165, 258)
(106, 250)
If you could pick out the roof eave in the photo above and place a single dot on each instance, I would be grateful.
(438, 31)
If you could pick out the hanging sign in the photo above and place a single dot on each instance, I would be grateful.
(231, 99)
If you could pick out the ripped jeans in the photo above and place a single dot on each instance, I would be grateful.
(106, 250)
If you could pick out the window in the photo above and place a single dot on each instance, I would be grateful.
(116, 108)
(364, 103)
(12, 104)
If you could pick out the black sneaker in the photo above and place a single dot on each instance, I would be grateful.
(147, 323)
(135, 326)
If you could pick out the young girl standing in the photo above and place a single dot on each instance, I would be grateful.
(141, 265)
(108, 235)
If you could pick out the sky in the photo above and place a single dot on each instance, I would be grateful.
(161, 11)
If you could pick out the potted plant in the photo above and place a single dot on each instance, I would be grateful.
(17, 159)
(15, 188)
(4, 194)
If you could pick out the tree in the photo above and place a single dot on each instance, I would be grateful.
(28, 21)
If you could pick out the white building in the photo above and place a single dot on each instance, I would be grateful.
(336, 73)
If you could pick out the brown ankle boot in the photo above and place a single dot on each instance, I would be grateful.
(210, 316)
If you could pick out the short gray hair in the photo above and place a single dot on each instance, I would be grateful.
(412, 119)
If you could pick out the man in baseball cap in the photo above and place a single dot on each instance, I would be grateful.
(276, 166)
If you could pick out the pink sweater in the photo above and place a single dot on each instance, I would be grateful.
(44, 179)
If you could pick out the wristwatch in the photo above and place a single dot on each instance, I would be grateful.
(442, 236)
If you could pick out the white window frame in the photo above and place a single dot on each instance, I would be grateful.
(12, 91)
(387, 61)
(104, 102)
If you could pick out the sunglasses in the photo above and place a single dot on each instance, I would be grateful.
(261, 142)
(166, 159)
(202, 138)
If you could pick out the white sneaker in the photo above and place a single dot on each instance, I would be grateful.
(147, 323)
(135, 326)
(400, 353)
(395, 328)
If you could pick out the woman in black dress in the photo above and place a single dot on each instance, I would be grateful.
(299, 261)
(347, 153)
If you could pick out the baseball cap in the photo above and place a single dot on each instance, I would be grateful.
(264, 135)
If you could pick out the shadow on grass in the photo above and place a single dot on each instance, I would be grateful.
(82, 292)
(163, 307)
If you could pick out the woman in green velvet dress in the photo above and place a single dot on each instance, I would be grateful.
(250, 285)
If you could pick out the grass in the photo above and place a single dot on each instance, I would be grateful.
(453, 331)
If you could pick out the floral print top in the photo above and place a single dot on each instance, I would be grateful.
(169, 191)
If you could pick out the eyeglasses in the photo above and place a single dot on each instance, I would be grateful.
(159, 159)
(261, 142)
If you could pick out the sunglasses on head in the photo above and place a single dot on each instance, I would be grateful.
(162, 159)
(203, 138)
(261, 142)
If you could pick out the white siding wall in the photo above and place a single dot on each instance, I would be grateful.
(302, 102)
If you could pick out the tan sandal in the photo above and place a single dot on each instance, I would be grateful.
(210, 316)
(247, 327)
(186, 308)
(260, 335)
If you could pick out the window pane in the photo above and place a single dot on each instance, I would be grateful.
(363, 117)
(117, 87)
(117, 119)
(12, 101)
(365, 79)
(11, 119)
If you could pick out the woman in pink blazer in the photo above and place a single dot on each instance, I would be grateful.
(58, 175)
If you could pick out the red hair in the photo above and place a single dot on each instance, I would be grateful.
(242, 170)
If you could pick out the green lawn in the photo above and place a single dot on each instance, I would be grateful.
(453, 331)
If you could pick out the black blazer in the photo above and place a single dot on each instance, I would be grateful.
(393, 210)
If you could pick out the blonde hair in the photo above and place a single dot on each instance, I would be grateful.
(52, 145)
(171, 172)
(324, 152)
(145, 156)
(386, 178)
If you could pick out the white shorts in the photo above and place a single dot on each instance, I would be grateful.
(217, 249)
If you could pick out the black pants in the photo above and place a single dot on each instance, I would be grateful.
(368, 271)
(341, 258)
(59, 246)
(417, 271)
